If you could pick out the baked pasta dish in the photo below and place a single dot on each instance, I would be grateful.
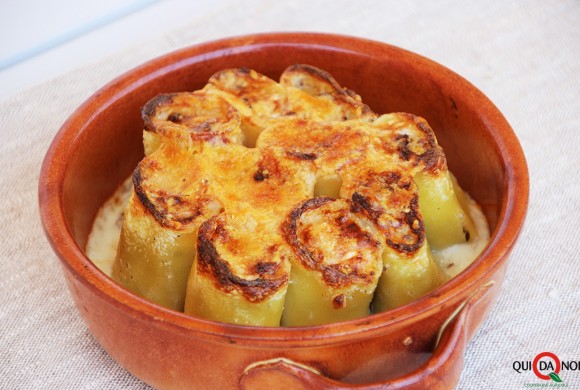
(286, 203)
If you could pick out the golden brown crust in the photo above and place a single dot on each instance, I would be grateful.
(290, 230)
(174, 189)
(409, 139)
(312, 80)
(163, 203)
(321, 96)
(192, 117)
(252, 93)
(355, 240)
(328, 146)
(390, 199)
(262, 278)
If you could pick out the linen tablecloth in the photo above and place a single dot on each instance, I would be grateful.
(524, 55)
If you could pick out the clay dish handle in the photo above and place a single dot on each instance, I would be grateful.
(441, 371)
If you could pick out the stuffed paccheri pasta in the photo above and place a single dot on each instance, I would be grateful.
(290, 203)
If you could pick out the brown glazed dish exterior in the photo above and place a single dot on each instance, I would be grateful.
(417, 346)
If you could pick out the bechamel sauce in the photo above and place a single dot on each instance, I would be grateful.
(106, 231)
(455, 258)
(104, 236)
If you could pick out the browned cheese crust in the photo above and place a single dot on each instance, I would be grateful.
(261, 277)
(246, 148)
(305, 242)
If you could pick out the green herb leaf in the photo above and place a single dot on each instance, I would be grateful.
(555, 377)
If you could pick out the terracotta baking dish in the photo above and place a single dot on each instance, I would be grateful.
(420, 345)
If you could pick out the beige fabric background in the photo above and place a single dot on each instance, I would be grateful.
(525, 55)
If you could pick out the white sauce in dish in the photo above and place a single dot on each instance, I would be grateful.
(104, 237)
(455, 258)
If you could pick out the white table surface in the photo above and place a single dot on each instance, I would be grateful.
(524, 55)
